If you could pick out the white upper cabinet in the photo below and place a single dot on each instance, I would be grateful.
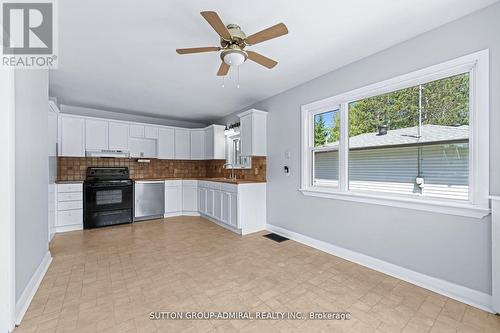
(137, 131)
(118, 136)
(151, 132)
(215, 142)
(78, 134)
(182, 144)
(253, 133)
(197, 144)
(96, 134)
(72, 136)
(142, 148)
(166, 143)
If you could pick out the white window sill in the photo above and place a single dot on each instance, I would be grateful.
(429, 205)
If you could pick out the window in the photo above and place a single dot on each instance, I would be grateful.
(233, 148)
(420, 138)
(325, 152)
(412, 141)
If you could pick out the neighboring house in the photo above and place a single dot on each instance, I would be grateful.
(392, 162)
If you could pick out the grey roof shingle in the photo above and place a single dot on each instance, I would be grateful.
(408, 136)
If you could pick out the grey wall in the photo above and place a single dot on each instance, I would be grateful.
(90, 112)
(31, 185)
(452, 248)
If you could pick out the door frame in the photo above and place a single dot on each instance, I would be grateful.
(7, 201)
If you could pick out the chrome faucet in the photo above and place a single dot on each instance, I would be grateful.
(232, 170)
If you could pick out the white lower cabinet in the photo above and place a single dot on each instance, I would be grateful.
(217, 204)
(190, 197)
(173, 197)
(69, 207)
(229, 209)
(210, 202)
(202, 200)
(240, 208)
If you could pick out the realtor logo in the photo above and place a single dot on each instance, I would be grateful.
(28, 34)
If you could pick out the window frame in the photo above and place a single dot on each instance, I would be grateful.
(477, 206)
(313, 149)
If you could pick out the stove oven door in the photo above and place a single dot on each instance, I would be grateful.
(107, 203)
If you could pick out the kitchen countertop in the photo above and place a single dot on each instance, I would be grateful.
(69, 181)
(219, 180)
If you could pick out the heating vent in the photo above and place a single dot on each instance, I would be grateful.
(276, 238)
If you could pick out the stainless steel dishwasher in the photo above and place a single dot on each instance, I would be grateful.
(149, 200)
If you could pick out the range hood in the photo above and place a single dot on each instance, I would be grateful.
(107, 153)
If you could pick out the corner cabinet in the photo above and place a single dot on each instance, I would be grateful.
(197, 137)
(190, 197)
(166, 143)
(173, 198)
(182, 144)
(253, 130)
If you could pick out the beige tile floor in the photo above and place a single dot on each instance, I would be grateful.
(109, 280)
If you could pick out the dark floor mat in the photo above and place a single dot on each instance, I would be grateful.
(276, 238)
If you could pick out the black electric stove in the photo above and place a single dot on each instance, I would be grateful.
(108, 197)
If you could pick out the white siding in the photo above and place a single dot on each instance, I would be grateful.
(444, 167)
(326, 165)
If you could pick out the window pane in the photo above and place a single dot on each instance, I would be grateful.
(326, 128)
(326, 168)
(412, 141)
(326, 161)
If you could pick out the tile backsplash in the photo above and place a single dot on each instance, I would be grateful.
(74, 168)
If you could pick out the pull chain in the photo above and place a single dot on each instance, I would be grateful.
(222, 82)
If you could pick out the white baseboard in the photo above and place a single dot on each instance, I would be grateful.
(29, 292)
(460, 293)
(66, 228)
(167, 215)
(248, 231)
(190, 213)
(228, 227)
(183, 213)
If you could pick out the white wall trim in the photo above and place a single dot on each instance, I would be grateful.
(7, 201)
(172, 214)
(495, 253)
(30, 290)
(66, 228)
(190, 213)
(460, 293)
(423, 204)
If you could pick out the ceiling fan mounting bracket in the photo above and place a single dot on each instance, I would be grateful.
(237, 37)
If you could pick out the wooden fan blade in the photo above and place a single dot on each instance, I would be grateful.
(223, 69)
(198, 50)
(275, 31)
(261, 60)
(214, 20)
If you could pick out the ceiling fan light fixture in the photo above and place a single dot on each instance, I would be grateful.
(234, 57)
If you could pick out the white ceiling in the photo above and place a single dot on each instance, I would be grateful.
(120, 55)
